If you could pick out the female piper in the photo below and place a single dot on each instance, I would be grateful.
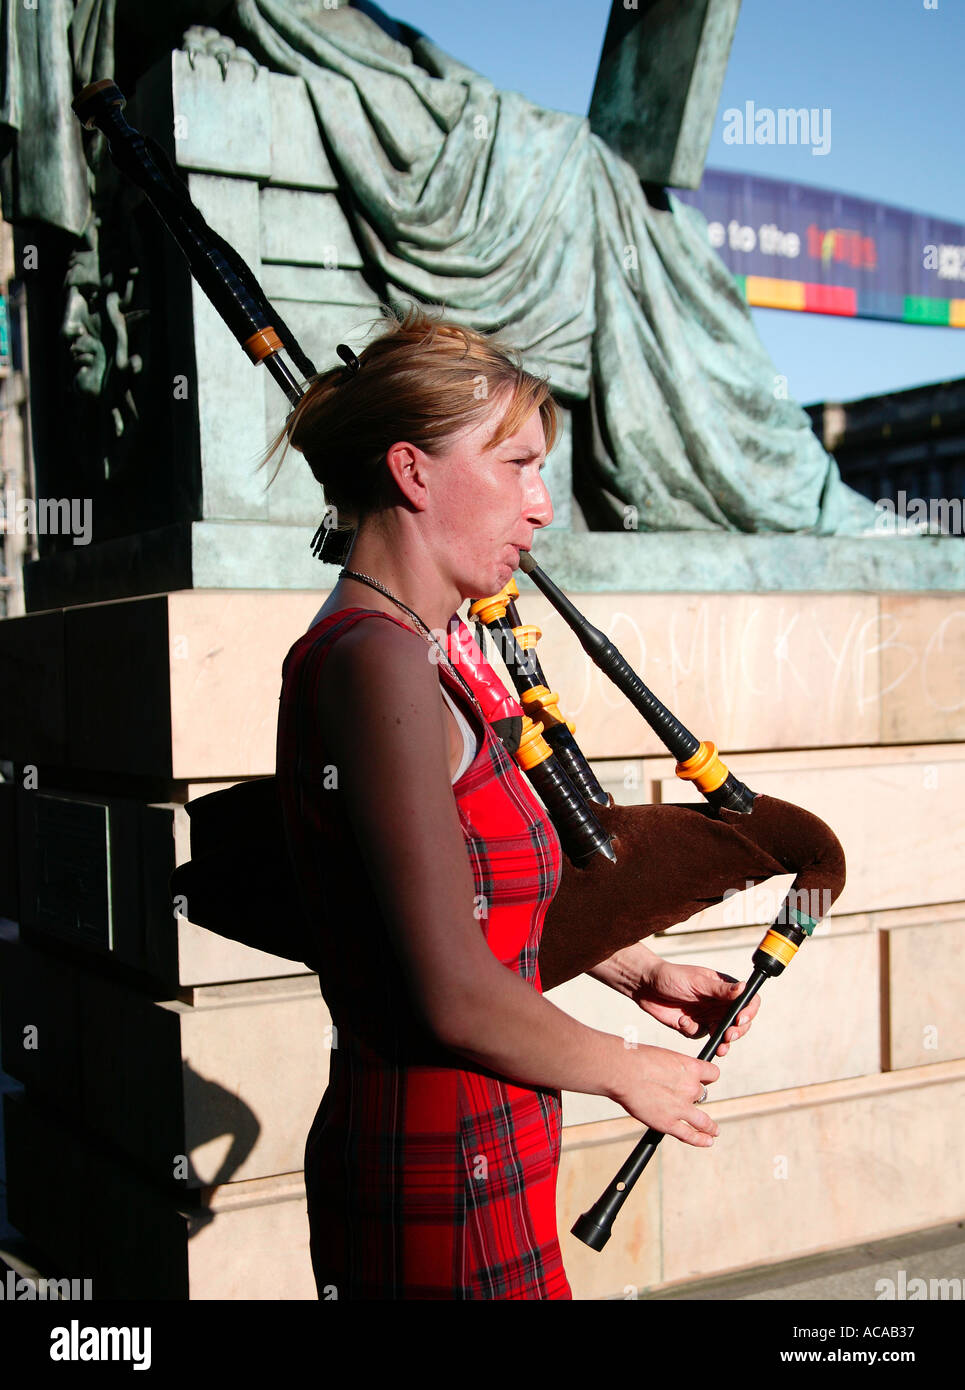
(431, 1165)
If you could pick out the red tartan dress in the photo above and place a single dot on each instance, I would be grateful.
(426, 1178)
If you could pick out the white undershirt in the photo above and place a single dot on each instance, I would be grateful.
(469, 741)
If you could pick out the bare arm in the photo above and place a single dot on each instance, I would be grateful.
(385, 725)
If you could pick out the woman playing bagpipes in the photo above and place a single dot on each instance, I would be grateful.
(431, 1165)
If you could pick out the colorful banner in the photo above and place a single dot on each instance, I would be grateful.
(796, 247)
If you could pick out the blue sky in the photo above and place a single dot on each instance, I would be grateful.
(891, 73)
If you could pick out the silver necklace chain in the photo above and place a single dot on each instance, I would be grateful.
(375, 584)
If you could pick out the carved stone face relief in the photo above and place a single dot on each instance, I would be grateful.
(94, 330)
(83, 323)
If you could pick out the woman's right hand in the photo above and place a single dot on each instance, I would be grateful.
(660, 1088)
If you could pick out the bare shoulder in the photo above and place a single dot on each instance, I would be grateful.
(385, 725)
(380, 661)
(378, 639)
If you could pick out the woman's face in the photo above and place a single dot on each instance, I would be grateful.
(488, 502)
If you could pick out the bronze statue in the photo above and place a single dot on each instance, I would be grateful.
(520, 219)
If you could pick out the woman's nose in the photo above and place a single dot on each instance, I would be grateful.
(540, 511)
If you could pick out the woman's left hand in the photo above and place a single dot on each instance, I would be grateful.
(689, 998)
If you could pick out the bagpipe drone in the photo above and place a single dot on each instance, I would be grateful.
(628, 871)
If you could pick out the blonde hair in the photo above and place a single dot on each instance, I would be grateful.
(424, 380)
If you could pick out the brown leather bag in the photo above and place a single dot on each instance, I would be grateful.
(672, 861)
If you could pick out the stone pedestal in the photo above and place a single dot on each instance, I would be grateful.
(191, 1067)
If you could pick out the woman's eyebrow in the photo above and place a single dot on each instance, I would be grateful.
(524, 453)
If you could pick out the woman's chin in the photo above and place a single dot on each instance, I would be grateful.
(492, 582)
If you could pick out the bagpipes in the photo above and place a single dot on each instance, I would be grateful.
(629, 871)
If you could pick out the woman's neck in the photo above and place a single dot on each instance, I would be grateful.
(413, 579)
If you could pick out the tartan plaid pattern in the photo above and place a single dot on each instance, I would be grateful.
(426, 1178)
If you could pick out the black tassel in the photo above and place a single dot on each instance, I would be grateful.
(331, 545)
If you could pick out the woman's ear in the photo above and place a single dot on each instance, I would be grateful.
(408, 467)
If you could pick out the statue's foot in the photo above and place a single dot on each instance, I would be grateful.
(202, 40)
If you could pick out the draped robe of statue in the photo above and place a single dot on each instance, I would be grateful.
(519, 218)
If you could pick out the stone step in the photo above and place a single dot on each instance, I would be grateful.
(879, 1270)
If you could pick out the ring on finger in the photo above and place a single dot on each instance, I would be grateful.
(703, 1097)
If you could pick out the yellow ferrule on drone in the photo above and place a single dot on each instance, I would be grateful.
(490, 610)
(778, 947)
(704, 768)
(533, 748)
(527, 637)
(541, 704)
